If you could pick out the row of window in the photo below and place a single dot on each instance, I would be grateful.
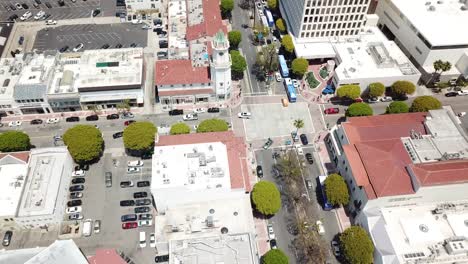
(36, 220)
(335, 10)
(336, 2)
(334, 33)
(5, 106)
(30, 101)
(347, 18)
(339, 26)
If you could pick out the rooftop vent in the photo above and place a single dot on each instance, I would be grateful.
(428, 3)
(423, 228)
(431, 8)
(440, 2)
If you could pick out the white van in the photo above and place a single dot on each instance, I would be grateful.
(142, 239)
(87, 227)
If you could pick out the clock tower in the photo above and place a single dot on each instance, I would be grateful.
(220, 66)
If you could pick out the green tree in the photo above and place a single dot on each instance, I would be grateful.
(235, 37)
(376, 89)
(397, 107)
(275, 256)
(84, 143)
(357, 246)
(349, 91)
(179, 128)
(266, 198)
(287, 43)
(299, 67)
(359, 109)
(336, 190)
(267, 59)
(280, 25)
(124, 105)
(11, 141)
(425, 103)
(272, 4)
(226, 7)
(238, 64)
(139, 137)
(212, 125)
(298, 124)
(400, 88)
(440, 67)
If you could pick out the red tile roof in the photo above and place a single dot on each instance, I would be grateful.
(106, 256)
(23, 155)
(169, 72)
(441, 173)
(185, 92)
(236, 151)
(212, 22)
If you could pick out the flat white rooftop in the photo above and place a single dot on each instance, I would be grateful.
(60, 252)
(9, 76)
(314, 50)
(441, 22)
(65, 78)
(37, 69)
(12, 177)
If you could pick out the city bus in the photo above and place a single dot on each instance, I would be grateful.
(283, 66)
(290, 90)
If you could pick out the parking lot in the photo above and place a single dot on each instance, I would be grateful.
(266, 116)
(92, 36)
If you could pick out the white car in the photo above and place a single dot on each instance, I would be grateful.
(296, 83)
(244, 115)
(78, 47)
(73, 210)
(78, 173)
(320, 228)
(39, 15)
(190, 117)
(271, 233)
(145, 26)
(462, 92)
(52, 120)
(19, 6)
(145, 222)
(386, 99)
(137, 21)
(278, 77)
(26, 16)
(135, 163)
(14, 123)
(51, 22)
(199, 110)
(152, 240)
(77, 216)
(300, 151)
(335, 248)
(133, 170)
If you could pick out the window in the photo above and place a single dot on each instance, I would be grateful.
(418, 50)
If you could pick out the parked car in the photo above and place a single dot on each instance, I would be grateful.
(278, 77)
(133, 45)
(143, 183)
(451, 94)
(268, 143)
(96, 12)
(190, 117)
(127, 203)
(112, 116)
(12, 17)
(246, 115)
(84, 167)
(135, 163)
(25, 6)
(199, 110)
(7, 238)
(72, 210)
(21, 40)
(129, 225)
(51, 22)
(152, 240)
(309, 184)
(304, 139)
(143, 209)
(108, 179)
(335, 248)
(140, 195)
(271, 233)
(77, 216)
(78, 47)
(72, 119)
(332, 110)
(105, 46)
(128, 217)
(309, 158)
(127, 115)
(39, 15)
(48, 5)
(118, 46)
(145, 222)
(26, 16)
(14, 123)
(140, 202)
(163, 258)
(36, 122)
(118, 135)
(97, 226)
(259, 171)
(129, 122)
(296, 83)
(133, 169)
(78, 173)
(52, 120)
(319, 227)
(76, 188)
(74, 203)
(92, 118)
(462, 92)
(273, 244)
(373, 100)
(213, 110)
(136, 21)
(78, 180)
(126, 184)
(64, 49)
(76, 195)
(176, 112)
(145, 217)
(386, 99)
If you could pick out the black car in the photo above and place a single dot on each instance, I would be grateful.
(304, 139)
(213, 110)
(163, 258)
(112, 116)
(259, 171)
(140, 202)
(12, 7)
(74, 203)
(118, 135)
(92, 118)
(118, 46)
(96, 12)
(309, 158)
(140, 195)
(163, 44)
(7, 238)
(273, 244)
(133, 45)
(147, 155)
(46, 16)
(162, 54)
(25, 6)
(48, 5)
(61, 2)
(176, 112)
(127, 203)
(13, 17)
(64, 49)
(128, 217)
(143, 209)
(76, 195)
(78, 180)
(84, 167)
(38, 2)
(143, 183)
(72, 119)
(451, 94)
(126, 184)
(76, 188)
(105, 46)
(36, 122)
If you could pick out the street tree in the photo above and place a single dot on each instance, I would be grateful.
(280, 25)
(397, 107)
(212, 125)
(84, 142)
(376, 89)
(267, 59)
(11, 141)
(299, 67)
(401, 88)
(336, 190)
(287, 44)
(357, 246)
(425, 103)
(139, 137)
(266, 198)
(359, 109)
(275, 256)
(307, 243)
(298, 124)
(235, 37)
(441, 67)
(272, 4)
(124, 105)
(179, 128)
(238, 64)
(289, 167)
(226, 7)
(349, 91)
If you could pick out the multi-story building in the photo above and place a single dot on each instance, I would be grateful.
(428, 31)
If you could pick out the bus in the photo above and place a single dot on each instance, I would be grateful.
(264, 20)
(321, 183)
(290, 90)
(269, 17)
(283, 66)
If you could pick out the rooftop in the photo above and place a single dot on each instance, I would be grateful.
(13, 170)
(10, 70)
(106, 256)
(67, 73)
(177, 22)
(426, 17)
(168, 72)
(211, 22)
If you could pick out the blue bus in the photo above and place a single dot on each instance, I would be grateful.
(269, 17)
(290, 90)
(326, 205)
(283, 66)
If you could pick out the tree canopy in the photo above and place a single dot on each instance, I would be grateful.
(425, 103)
(349, 91)
(400, 88)
(266, 198)
(267, 59)
(280, 25)
(272, 4)
(299, 67)
(287, 43)
(336, 190)
(84, 143)
(139, 136)
(227, 6)
(235, 37)
(397, 107)
(212, 125)
(357, 246)
(376, 89)
(238, 64)
(359, 109)
(442, 66)
(11, 141)
(179, 128)
(275, 256)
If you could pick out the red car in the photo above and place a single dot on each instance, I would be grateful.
(128, 122)
(332, 110)
(129, 225)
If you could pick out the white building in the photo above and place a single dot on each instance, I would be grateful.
(147, 6)
(220, 66)
(44, 197)
(428, 31)
(9, 75)
(62, 92)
